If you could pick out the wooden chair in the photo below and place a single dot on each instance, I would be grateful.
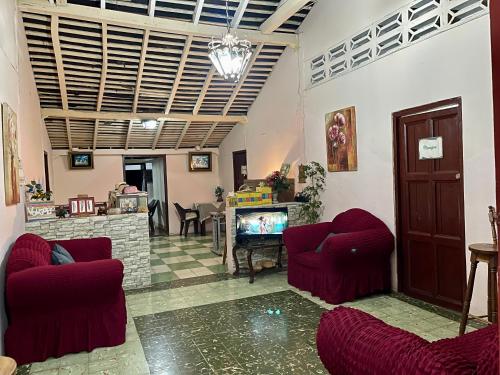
(152, 206)
(485, 253)
(187, 216)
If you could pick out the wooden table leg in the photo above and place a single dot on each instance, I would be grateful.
(224, 255)
(236, 263)
(492, 291)
(250, 265)
(280, 253)
(468, 294)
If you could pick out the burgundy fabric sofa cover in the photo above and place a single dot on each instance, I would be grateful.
(55, 310)
(350, 341)
(353, 263)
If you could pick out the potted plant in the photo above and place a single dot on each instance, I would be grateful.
(279, 183)
(39, 203)
(219, 190)
(310, 212)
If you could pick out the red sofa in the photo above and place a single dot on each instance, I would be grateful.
(350, 341)
(55, 310)
(353, 263)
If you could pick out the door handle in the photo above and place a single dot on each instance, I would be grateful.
(458, 176)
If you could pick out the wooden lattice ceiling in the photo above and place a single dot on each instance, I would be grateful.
(102, 66)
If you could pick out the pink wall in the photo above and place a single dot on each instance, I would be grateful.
(274, 132)
(17, 88)
(183, 186)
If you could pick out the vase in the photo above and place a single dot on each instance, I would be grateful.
(275, 197)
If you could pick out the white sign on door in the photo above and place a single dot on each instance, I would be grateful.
(430, 148)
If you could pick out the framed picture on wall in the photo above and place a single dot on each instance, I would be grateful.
(82, 206)
(81, 160)
(200, 161)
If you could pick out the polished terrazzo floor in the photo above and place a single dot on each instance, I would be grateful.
(179, 257)
(218, 324)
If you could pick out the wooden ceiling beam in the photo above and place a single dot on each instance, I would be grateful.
(184, 131)
(197, 11)
(209, 134)
(124, 116)
(152, 8)
(129, 131)
(56, 46)
(180, 71)
(96, 133)
(158, 133)
(113, 17)
(238, 15)
(286, 9)
(238, 87)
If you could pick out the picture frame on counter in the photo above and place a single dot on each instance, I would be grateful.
(81, 160)
(82, 206)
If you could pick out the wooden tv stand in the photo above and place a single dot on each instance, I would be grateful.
(251, 245)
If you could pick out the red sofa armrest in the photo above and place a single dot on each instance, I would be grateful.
(305, 237)
(86, 249)
(351, 248)
(350, 341)
(49, 288)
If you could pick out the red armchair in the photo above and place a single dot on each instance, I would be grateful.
(350, 341)
(353, 263)
(56, 310)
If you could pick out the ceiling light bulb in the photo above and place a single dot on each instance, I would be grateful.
(150, 124)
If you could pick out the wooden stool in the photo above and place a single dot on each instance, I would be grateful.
(7, 366)
(487, 253)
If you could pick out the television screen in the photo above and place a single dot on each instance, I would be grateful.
(261, 222)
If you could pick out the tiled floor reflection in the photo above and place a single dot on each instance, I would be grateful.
(221, 327)
(179, 257)
(243, 336)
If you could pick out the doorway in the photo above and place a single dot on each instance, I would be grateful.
(240, 171)
(430, 203)
(148, 173)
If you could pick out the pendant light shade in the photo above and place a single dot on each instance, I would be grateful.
(229, 54)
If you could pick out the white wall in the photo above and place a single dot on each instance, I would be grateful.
(183, 186)
(429, 71)
(273, 134)
(454, 63)
(17, 88)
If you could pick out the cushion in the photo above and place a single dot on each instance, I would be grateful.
(61, 256)
(191, 215)
(320, 246)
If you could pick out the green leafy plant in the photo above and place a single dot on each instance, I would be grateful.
(219, 190)
(311, 211)
(36, 192)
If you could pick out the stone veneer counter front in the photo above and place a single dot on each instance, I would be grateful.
(129, 235)
(293, 220)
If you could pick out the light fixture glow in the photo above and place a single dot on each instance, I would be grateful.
(149, 124)
(229, 54)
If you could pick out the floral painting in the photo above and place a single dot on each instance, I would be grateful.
(10, 156)
(341, 140)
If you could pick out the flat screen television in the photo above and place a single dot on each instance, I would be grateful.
(261, 223)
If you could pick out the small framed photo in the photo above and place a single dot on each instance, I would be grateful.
(200, 161)
(81, 160)
(82, 206)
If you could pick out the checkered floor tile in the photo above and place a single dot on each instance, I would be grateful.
(178, 257)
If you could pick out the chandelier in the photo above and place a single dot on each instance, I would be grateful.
(229, 54)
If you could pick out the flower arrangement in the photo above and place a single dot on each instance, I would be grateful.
(336, 133)
(37, 193)
(219, 190)
(277, 181)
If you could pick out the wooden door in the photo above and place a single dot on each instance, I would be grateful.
(239, 161)
(431, 245)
